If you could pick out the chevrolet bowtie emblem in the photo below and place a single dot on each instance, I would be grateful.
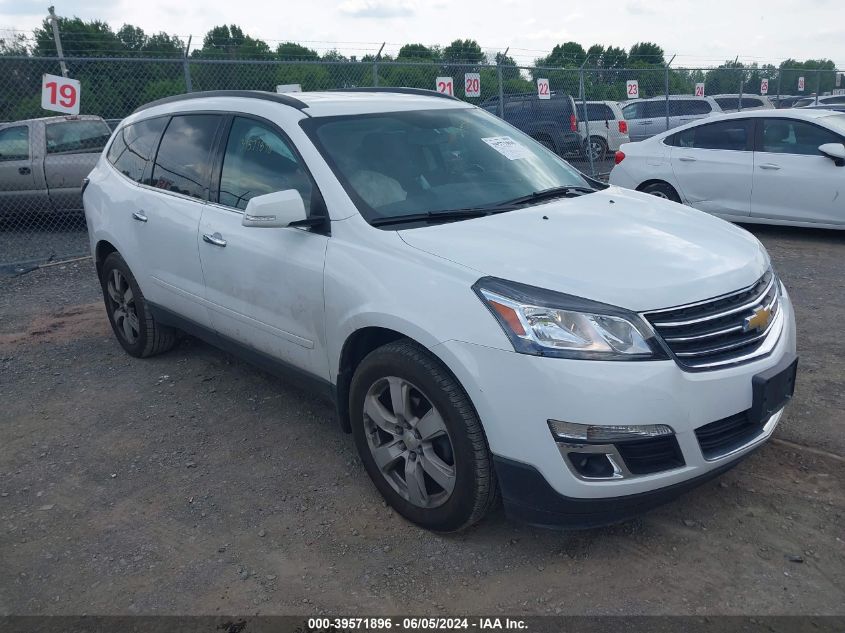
(758, 321)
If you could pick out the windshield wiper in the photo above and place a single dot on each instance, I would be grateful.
(434, 216)
(548, 194)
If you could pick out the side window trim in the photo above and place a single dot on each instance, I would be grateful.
(220, 151)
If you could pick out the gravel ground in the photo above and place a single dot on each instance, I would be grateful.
(192, 483)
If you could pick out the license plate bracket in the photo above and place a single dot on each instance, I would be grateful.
(772, 389)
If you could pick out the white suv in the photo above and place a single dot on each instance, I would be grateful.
(608, 128)
(487, 321)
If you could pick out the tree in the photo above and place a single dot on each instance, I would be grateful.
(79, 39)
(463, 52)
(646, 54)
(417, 52)
(566, 55)
(291, 51)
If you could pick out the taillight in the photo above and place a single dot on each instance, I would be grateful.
(623, 126)
(573, 123)
(620, 156)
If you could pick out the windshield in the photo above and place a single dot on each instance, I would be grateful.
(406, 163)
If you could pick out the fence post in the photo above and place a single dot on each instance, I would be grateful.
(666, 86)
(818, 85)
(54, 22)
(187, 70)
(741, 88)
(501, 107)
(587, 142)
(375, 65)
(780, 76)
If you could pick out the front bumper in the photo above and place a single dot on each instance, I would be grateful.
(516, 394)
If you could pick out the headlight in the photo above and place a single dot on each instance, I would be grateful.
(547, 323)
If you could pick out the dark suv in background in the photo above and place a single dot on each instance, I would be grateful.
(552, 122)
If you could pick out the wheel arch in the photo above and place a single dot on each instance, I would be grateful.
(103, 249)
(660, 181)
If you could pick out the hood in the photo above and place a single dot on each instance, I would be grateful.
(616, 246)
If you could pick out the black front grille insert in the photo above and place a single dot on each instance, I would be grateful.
(651, 455)
(723, 436)
(716, 332)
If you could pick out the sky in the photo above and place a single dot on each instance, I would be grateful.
(699, 33)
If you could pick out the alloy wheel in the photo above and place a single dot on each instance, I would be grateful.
(409, 442)
(122, 306)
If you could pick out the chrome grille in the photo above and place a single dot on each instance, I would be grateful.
(712, 333)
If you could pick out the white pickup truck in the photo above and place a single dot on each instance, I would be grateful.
(43, 162)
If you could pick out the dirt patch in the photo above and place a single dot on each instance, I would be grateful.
(66, 324)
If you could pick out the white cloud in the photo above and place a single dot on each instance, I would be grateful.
(379, 9)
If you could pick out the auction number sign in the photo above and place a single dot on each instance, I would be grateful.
(445, 85)
(60, 94)
(764, 86)
(699, 90)
(632, 89)
(472, 84)
(543, 89)
(800, 84)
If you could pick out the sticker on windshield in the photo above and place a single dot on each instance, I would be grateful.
(508, 147)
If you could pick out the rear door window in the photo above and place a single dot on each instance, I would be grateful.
(653, 109)
(751, 102)
(182, 163)
(134, 145)
(77, 136)
(14, 143)
(734, 135)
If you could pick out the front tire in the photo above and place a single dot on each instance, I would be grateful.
(133, 324)
(420, 438)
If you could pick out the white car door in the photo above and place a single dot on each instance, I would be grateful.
(713, 165)
(793, 181)
(264, 285)
(164, 219)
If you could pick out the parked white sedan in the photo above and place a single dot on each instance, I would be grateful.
(767, 166)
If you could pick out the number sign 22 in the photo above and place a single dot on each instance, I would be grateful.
(543, 91)
(445, 86)
(60, 94)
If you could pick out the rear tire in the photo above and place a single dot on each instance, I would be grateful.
(662, 190)
(420, 438)
(597, 147)
(134, 326)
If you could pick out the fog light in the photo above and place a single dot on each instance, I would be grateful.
(593, 465)
(605, 434)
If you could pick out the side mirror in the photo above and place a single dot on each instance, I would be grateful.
(279, 209)
(834, 151)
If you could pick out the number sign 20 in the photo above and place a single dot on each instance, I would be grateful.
(472, 84)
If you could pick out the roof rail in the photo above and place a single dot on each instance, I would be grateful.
(247, 94)
(404, 91)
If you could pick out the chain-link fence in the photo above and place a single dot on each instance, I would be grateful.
(583, 114)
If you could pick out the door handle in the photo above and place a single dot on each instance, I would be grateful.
(687, 159)
(646, 122)
(24, 171)
(139, 215)
(769, 166)
(216, 239)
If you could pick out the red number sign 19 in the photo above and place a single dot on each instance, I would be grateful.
(472, 84)
(543, 89)
(801, 84)
(764, 86)
(632, 88)
(445, 85)
(60, 94)
(699, 90)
